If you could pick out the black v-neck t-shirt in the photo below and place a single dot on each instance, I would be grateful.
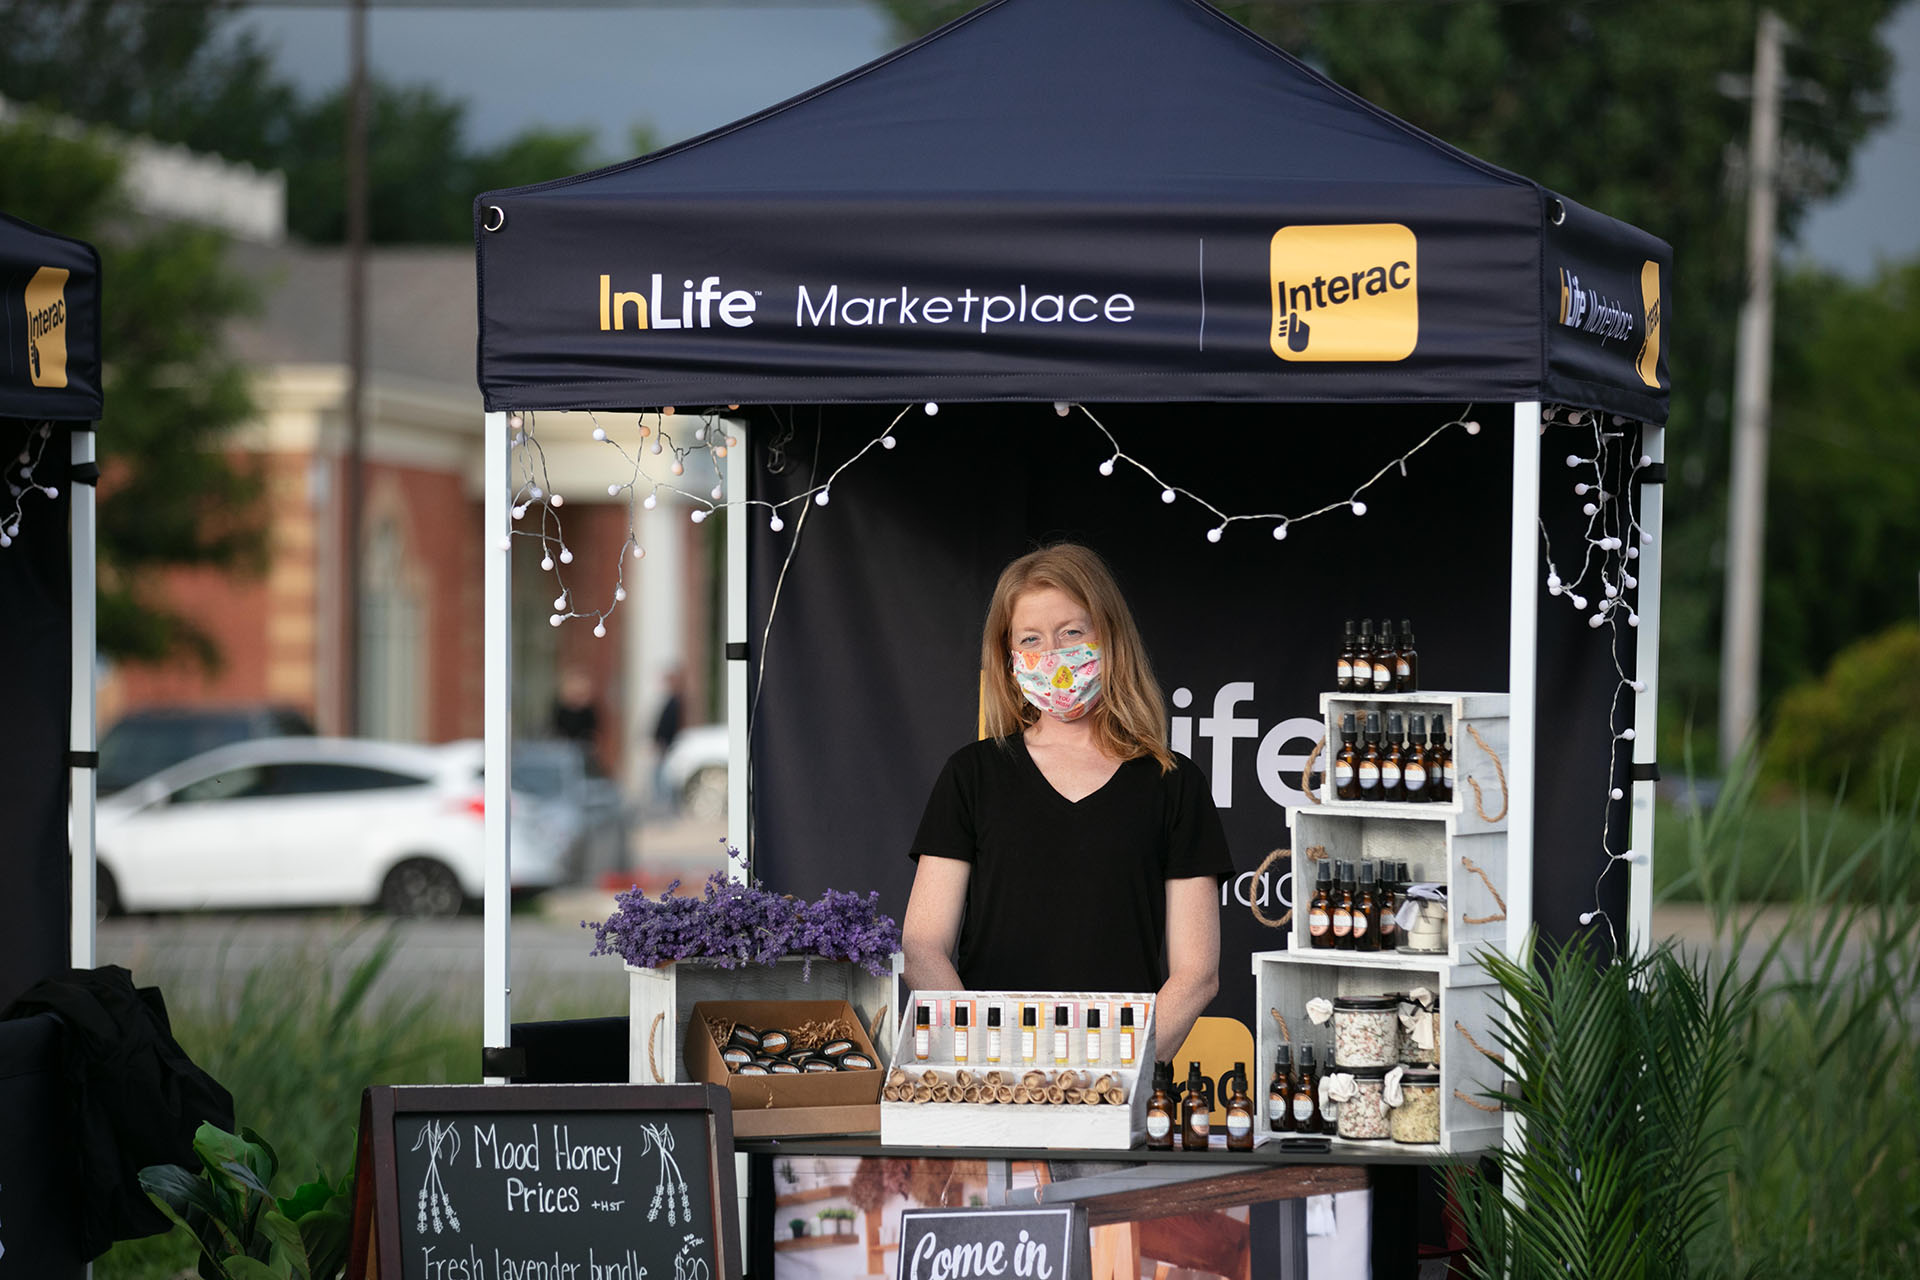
(1068, 895)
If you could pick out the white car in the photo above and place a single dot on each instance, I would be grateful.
(297, 822)
(695, 771)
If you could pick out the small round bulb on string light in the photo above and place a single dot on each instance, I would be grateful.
(600, 630)
(535, 492)
(1637, 858)
(1580, 490)
(1597, 621)
(700, 434)
(1586, 917)
(600, 433)
(1579, 601)
(666, 411)
(1629, 580)
(619, 594)
(719, 451)
(546, 564)
(518, 513)
(698, 515)
(1633, 619)
(678, 468)
(1617, 794)
(1280, 532)
(639, 552)
(514, 420)
(613, 491)
(1646, 539)
(1638, 686)
(1167, 495)
(1359, 507)
(1553, 583)
(560, 601)
(1106, 467)
(1213, 535)
(645, 431)
(566, 556)
(1633, 553)
(1610, 591)
(1646, 459)
(1060, 407)
(821, 498)
(717, 492)
(1589, 510)
(559, 501)
(651, 501)
(1473, 428)
(1610, 543)
(733, 442)
(931, 408)
(52, 491)
(1576, 418)
(506, 543)
(1626, 735)
(554, 620)
(656, 447)
(1574, 459)
(733, 406)
(775, 523)
(888, 442)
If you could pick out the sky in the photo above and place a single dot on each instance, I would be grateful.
(684, 70)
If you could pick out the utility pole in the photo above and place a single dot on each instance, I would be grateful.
(356, 144)
(1753, 374)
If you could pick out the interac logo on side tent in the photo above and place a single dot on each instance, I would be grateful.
(1345, 292)
(47, 327)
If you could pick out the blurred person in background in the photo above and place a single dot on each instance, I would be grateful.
(576, 717)
(666, 728)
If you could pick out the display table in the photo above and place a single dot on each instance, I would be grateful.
(1142, 1188)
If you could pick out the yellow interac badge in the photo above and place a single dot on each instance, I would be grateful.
(1345, 293)
(1647, 364)
(47, 327)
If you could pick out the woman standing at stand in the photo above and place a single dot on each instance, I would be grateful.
(1069, 849)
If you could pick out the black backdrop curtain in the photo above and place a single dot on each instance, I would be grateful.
(871, 669)
(35, 645)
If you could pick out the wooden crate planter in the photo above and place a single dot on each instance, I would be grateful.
(1107, 1127)
(660, 1001)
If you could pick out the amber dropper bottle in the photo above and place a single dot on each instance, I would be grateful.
(1280, 1092)
(1413, 761)
(1239, 1112)
(1196, 1126)
(1342, 909)
(1366, 934)
(1320, 911)
(1439, 763)
(1406, 669)
(1369, 769)
(1385, 903)
(1343, 667)
(1306, 1095)
(1363, 658)
(1383, 659)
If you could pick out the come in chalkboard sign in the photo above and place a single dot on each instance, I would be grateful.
(984, 1244)
(545, 1182)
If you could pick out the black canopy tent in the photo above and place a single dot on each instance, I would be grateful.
(49, 399)
(1136, 205)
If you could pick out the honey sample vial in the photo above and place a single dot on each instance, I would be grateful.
(993, 1033)
(1128, 1036)
(923, 1033)
(1093, 1036)
(962, 1033)
(1062, 1050)
(1029, 1035)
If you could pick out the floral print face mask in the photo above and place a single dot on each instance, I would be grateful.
(1063, 683)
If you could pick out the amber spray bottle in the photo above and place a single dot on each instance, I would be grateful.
(1160, 1110)
(1280, 1092)
(1368, 771)
(1239, 1111)
(1342, 913)
(1413, 761)
(1320, 911)
(1196, 1100)
(1306, 1094)
(1384, 654)
(1346, 765)
(1366, 932)
(1391, 786)
(1343, 667)
(1439, 763)
(1363, 658)
(1385, 903)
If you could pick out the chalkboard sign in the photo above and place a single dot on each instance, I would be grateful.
(983, 1244)
(545, 1182)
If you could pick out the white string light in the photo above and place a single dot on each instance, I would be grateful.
(1613, 538)
(1170, 493)
(21, 484)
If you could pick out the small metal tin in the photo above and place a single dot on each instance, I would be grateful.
(855, 1061)
(745, 1038)
(735, 1057)
(834, 1048)
(765, 1060)
(775, 1042)
(817, 1065)
(753, 1069)
(783, 1069)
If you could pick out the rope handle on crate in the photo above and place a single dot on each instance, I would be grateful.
(1478, 1106)
(1306, 770)
(879, 1021)
(1253, 904)
(1286, 1036)
(1491, 1056)
(1498, 901)
(1500, 772)
(653, 1064)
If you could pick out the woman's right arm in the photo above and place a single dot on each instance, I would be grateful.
(931, 935)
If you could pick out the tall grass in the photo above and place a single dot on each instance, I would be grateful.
(1824, 1108)
(296, 1041)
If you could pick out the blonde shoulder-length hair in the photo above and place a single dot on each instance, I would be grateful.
(1129, 717)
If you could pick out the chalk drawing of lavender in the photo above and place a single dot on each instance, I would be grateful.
(439, 1140)
(671, 1184)
(689, 1268)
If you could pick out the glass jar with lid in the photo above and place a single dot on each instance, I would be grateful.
(1366, 1031)
(1417, 1118)
(1363, 1114)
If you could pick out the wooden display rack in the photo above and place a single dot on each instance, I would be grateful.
(1461, 843)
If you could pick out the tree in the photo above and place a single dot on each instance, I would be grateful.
(1617, 104)
(170, 497)
(180, 72)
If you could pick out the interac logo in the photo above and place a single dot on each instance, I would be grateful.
(1648, 363)
(1345, 292)
(47, 327)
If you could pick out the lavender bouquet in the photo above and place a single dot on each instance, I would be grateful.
(734, 924)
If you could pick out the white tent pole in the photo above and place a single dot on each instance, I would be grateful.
(1522, 675)
(497, 626)
(739, 831)
(1646, 703)
(82, 733)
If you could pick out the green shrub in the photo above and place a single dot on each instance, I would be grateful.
(1852, 726)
